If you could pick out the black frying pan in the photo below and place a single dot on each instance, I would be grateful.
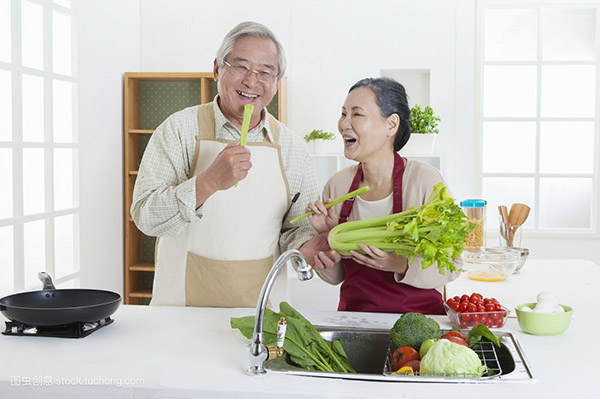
(52, 307)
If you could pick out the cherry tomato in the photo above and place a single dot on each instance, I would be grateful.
(490, 307)
(480, 308)
(497, 306)
(455, 306)
(474, 300)
(463, 324)
(471, 307)
(477, 295)
(464, 298)
(483, 319)
(463, 307)
(487, 300)
(456, 298)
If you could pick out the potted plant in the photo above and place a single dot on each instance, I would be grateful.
(318, 139)
(423, 125)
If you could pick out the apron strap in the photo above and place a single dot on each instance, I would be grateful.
(396, 188)
(347, 206)
(206, 130)
(397, 182)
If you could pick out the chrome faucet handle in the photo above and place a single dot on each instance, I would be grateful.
(258, 351)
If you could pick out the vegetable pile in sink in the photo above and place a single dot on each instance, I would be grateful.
(419, 348)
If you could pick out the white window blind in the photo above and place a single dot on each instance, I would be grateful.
(538, 118)
(39, 149)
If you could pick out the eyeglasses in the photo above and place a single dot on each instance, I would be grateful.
(243, 71)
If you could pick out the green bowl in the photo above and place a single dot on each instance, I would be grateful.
(543, 323)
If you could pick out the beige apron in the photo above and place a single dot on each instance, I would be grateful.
(223, 259)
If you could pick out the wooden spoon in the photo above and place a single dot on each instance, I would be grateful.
(516, 217)
(518, 214)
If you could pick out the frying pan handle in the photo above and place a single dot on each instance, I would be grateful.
(46, 280)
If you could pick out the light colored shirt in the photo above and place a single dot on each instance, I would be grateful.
(417, 184)
(375, 209)
(164, 197)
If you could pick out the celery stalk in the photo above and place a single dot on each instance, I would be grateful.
(336, 201)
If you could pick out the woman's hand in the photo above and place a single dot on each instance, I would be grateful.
(322, 219)
(380, 260)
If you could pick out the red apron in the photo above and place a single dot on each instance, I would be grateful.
(369, 290)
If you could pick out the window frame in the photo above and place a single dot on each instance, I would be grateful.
(17, 145)
(480, 63)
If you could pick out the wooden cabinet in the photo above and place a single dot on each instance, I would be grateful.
(149, 98)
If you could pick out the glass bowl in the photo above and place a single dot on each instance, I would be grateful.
(463, 320)
(490, 263)
(524, 254)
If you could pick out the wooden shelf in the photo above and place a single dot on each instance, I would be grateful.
(142, 267)
(149, 98)
(141, 293)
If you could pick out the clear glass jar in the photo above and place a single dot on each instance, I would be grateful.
(475, 210)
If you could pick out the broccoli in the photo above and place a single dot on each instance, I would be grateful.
(411, 329)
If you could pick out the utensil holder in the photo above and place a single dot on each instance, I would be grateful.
(510, 236)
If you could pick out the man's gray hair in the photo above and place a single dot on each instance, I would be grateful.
(253, 29)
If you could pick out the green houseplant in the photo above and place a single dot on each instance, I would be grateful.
(423, 121)
(423, 125)
(318, 139)
(318, 135)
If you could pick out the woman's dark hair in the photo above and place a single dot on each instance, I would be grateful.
(391, 99)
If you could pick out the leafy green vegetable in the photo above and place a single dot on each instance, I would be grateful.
(445, 357)
(423, 121)
(303, 343)
(412, 328)
(436, 231)
(479, 332)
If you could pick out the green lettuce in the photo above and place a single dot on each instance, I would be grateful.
(445, 357)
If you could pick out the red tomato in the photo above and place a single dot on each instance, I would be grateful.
(474, 300)
(456, 298)
(497, 306)
(463, 307)
(483, 319)
(403, 355)
(465, 316)
(463, 324)
(464, 298)
(471, 308)
(487, 300)
(454, 333)
(480, 308)
(455, 306)
(456, 340)
(490, 307)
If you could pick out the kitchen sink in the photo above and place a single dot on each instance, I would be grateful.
(367, 351)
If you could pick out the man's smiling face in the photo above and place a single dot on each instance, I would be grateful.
(257, 54)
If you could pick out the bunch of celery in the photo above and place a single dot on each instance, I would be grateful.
(436, 232)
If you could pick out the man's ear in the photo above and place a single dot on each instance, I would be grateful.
(393, 121)
(215, 70)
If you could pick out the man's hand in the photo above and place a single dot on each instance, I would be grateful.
(318, 253)
(230, 166)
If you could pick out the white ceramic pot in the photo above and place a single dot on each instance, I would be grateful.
(419, 144)
(325, 146)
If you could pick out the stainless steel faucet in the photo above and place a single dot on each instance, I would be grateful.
(258, 351)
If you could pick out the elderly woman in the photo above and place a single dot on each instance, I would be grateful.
(375, 124)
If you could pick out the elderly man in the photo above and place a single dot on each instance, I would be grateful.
(218, 240)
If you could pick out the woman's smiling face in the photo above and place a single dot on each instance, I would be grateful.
(364, 129)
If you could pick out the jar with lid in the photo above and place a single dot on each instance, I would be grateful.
(475, 210)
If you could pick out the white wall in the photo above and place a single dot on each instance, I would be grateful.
(109, 36)
(329, 44)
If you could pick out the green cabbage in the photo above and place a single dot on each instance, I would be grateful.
(445, 357)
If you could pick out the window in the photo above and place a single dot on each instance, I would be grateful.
(538, 112)
(39, 150)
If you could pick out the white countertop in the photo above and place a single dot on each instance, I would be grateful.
(179, 352)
